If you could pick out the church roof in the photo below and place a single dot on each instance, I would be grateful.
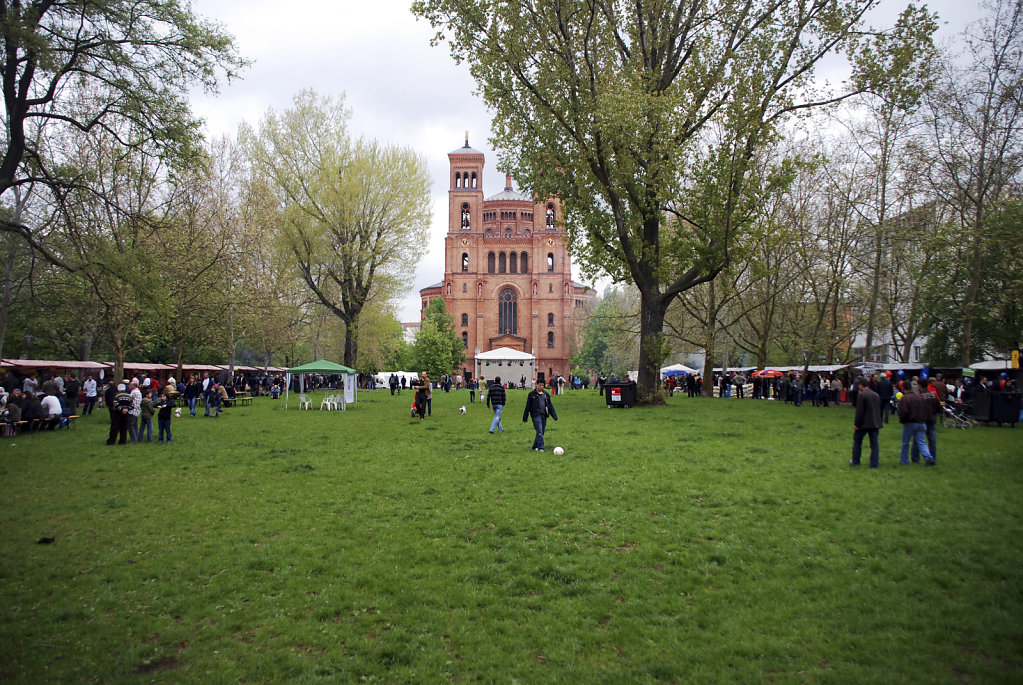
(465, 149)
(509, 193)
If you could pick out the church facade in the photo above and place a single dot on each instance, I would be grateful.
(507, 273)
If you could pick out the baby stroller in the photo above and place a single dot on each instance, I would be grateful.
(956, 416)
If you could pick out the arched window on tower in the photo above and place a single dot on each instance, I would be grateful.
(513, 263)
(550, 319)
(490, 263)
(550, 216)
(466, 214)
(508, 312)
(465, 261)
(550, 261)
(550, 339)
(465, 340)
(524, 263)
(502, 263)
(465, 319)
(474, 179)
(458, 179)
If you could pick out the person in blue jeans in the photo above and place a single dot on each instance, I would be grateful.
(496, 399)
(163, 418)
(913, 413)
(539, 407)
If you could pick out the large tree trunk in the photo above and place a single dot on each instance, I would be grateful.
(651, 328)
(352, 342)
(5, 304)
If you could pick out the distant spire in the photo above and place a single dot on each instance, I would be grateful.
(467, 137)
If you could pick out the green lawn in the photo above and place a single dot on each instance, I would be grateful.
(704, 541)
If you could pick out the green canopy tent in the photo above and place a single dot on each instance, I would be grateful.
(326, 367)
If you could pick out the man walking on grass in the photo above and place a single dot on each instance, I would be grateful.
(495, 399)
(539, 407)
(913, 413)
(866, 422)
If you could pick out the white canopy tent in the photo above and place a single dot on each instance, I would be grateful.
(506, 363)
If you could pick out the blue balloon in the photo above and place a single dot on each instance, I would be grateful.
(902, 374)
(925, 373)
(1004, 375)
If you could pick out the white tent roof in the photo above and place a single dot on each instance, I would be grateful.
(504, 354)
(678, 367)
(992, 365)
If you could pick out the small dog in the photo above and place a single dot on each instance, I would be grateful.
(461, 410)
(177, 413)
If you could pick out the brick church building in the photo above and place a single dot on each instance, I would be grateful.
(507, 273)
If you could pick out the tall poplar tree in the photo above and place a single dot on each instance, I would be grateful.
(354, 213)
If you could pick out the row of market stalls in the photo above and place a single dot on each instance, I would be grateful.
(985, 367)
(101, 368)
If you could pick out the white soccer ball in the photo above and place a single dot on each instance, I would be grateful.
(558, 451)
(177, 412)
(461, 410)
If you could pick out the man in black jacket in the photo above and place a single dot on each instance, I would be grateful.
(867, 422)
(539, 407)
(885, 390)
(495, 399)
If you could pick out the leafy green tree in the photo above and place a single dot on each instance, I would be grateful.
(634, 112)
(977, 122)
(91, 67)
(997, 325)
(609, 341)
(438, 348)
(356, 213)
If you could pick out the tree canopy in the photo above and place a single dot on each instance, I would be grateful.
(633, 113)
(116, 68)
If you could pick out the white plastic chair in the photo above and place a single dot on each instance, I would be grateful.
(329, 402)
(303, 402)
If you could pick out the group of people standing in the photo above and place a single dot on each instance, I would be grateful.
(918, 404)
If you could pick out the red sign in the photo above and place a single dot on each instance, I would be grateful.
(616, 394)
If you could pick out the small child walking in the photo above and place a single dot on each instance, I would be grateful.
(146, 412)
(163, 418)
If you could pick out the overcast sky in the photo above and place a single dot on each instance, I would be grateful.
(399, 88)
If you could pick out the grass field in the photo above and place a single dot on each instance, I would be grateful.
(704, 541)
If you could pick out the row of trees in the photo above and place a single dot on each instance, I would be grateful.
(128, 236)
(670, 129)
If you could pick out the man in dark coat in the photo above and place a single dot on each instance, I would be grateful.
(119, 415)
(539, 407)
(866, 422)
(885, 390)
(495, 399)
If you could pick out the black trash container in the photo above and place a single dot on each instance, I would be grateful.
(1005, 407)
(620, 394)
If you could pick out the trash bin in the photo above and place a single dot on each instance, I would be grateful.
(620, 394)
(1005, 407)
